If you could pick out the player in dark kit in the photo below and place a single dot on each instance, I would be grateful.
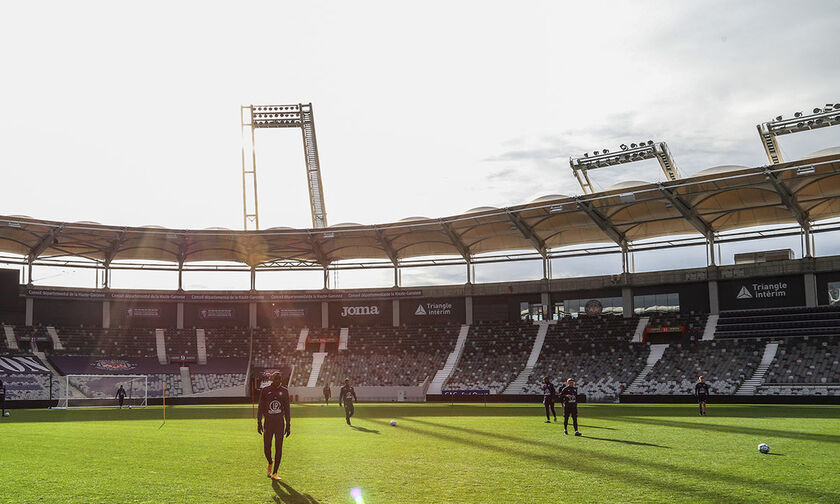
(274, 407)
(569, 397)
(120, 395)
(701, 390)
(3, 398)
(548, 399)
(347, 395)
(327, 393)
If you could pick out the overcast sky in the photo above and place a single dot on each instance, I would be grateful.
(129, 113)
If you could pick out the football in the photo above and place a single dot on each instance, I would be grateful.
(393, 423)
(6, 414)
(764, 448)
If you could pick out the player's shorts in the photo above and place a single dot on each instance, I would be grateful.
(702, 398)
(547, 400)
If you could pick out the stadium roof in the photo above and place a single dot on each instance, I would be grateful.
(721, 200)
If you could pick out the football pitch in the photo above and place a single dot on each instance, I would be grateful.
(437, 453)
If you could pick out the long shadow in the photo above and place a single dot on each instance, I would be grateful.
(288, 495)
(362, 429)
(776, 454)
(593, 410)
(597, 427)
(604, 410)
(732, 429)
(582, 465)
(626, 441)
(612, 458)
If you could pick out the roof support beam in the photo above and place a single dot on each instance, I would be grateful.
(788, 200)
(116, 245)
(44, 243)
(527, 232)
(687, 212)
(386, 246)
(602, 222)
(456, 241)
(319, 252)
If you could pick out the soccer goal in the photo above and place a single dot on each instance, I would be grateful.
(100, 391)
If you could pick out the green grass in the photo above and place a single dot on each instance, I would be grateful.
(437, 454)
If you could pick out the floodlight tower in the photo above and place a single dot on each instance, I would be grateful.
(820, 118)
(635, 152)
(280, 116)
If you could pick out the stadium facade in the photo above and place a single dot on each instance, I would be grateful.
(631, 334)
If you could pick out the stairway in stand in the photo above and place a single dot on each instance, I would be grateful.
(517, 386)
(451, 363)
(748, 387)
(317, 362)
(656, 352)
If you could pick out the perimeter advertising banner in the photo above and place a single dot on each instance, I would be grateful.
(432, 311)
(756, 293)
(360, 313)
(147, 315)
(285, 314)
(174, 296)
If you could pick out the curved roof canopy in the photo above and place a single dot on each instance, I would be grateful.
(709, 203)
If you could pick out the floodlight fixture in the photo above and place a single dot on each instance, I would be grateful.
(299, 116)
(769, 131)
(636, 152)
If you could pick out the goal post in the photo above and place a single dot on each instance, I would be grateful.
(100, 391)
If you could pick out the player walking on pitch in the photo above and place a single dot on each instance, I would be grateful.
(548, 399)
(327, 393)
(569, 397)
(701, 390)
(347, 395)
(120, 395)
(3, 398)
(274, 407)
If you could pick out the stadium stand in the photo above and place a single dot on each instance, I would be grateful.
(228, 342)
(494, 355)
(106, 342)
(725, 365)
(804, 366)
(29, 387)
(180, 342)
(403, 356)
(779, 323)
(205, 382)
(277, 347)
(593, 350)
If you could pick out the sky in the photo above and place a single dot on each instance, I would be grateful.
(128, 114)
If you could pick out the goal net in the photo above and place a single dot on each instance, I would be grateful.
(100, 391)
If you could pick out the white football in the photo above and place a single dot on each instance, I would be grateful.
(764, 448)
(393, 423)
(7, 414)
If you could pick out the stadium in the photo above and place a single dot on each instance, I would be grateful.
(448, 378)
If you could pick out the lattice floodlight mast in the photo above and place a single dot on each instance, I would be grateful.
(280, 116)
(819, 118)
(635, 152)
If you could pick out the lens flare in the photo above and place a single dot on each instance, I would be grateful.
(356, 494)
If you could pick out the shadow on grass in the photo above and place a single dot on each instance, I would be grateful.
(730, 429)
(583, 454)
(583, 465)
(776, 454)
(288, 495)
(597, 427)
(625, 441)
(362, 429)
